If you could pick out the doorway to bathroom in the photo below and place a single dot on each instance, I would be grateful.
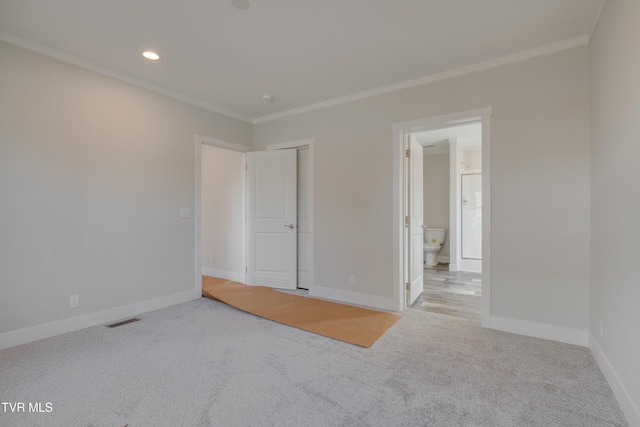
(453, 195)
(452, 182)
(455, 183)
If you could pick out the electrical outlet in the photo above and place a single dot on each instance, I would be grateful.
(352, 279)
(74, 301)
(601, 329)
(211, 260)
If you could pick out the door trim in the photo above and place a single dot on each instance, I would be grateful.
(399, 130)
(197, 210)
(305, 143)
(415, 282)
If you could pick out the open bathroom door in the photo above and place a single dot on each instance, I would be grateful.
(415, 236)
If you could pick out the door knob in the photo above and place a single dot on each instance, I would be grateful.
(291, 226)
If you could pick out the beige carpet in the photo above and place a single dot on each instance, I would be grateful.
(343, 322)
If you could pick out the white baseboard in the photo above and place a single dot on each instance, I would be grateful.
(34, 333)
(453, 267)
(223, 274)
(353, 298)
(540, 330)
(470, 265)
(629, 407)
(444, 259)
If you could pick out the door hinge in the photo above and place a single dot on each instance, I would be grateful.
(407, 286)
(406, 221)
(246, 269)
(407, 153)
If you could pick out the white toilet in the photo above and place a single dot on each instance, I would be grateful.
(433, 240)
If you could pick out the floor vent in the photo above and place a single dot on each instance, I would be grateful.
(124, 322)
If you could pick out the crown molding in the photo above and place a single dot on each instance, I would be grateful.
(479, 66)
(101, 69)
(468, 69)
(596, 19)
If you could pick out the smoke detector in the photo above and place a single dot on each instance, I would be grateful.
(267, 96)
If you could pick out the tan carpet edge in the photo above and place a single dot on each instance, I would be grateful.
(343, 322)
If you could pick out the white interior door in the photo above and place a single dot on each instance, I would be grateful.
(415, 212)
(272, 218)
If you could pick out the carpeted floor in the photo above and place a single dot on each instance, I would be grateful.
(204, 363)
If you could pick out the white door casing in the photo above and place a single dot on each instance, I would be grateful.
(399, 190)
(415, 239)
(304, 220)
(272, 218)
(455, 156)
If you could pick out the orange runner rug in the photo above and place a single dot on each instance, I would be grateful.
(343, 322)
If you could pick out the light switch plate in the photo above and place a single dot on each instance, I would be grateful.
(185, 212)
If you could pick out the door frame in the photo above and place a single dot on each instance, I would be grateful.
(301, 144)
(197, 211)
(483, 115)
(201, 139)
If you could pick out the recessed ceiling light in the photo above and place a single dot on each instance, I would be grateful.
(240, 4)
(267, 96)
(151, 55)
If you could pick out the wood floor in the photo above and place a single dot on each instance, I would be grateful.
(452, 293)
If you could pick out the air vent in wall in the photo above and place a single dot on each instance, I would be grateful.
(124, 322)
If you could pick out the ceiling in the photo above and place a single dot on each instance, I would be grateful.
(304, 52)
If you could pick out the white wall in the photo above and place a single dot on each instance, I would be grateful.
(615, 205)
(93, 173)
(540, 184)
(436, 195)
(473, 158)
(222, 215)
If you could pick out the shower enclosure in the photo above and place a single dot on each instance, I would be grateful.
(471, 221)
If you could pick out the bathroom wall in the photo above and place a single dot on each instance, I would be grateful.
(222, 194)
(436, 196)
(473, 158)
